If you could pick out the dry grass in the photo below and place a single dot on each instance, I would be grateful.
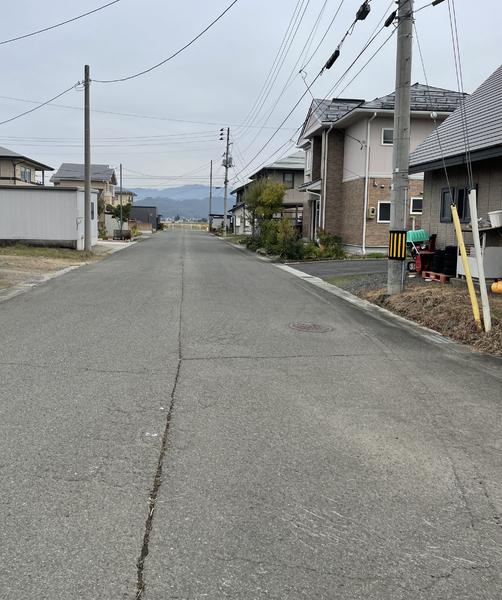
(446, 310)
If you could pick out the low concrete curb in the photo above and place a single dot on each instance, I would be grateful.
(377, 311)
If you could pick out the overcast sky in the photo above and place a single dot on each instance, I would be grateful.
(212, 84)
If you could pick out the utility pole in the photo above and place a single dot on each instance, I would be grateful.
(120, 175)
(401, 150)
(87, 161)
(210, 196)
(227, 163)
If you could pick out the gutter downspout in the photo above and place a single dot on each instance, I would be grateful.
(322, 207)
(366, 180)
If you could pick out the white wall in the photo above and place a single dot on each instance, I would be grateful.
(45, 215)
(380, 154)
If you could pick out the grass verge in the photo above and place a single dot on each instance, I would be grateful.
(446, 310)
(45, 252)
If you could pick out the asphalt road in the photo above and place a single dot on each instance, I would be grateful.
(342, 268)
(160, 406)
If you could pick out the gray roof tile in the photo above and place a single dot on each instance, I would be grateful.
(7, 153)
(483, 112)
(75, 171)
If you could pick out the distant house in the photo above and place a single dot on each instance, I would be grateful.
(126, 195)
(348, 164)
(103, 178)
(478, 125)
(290, 172)
(17, 169)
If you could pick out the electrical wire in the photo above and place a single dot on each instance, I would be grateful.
(247, 118)
(133, 115)
(42, 104)
(290, 78)
(324, 36)
(280, 64)
(179, 51)
(26, 35)
(460, 85)
(422, 62)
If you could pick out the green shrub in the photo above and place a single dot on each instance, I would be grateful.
(331, 245)
(311, 251)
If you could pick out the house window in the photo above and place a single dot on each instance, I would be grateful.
(308, 159)
(416, 206)
(26, 174)
(92, 211)
(387, 136)
(462, 202)
(383, 215)
(288, 180)
(446, 200)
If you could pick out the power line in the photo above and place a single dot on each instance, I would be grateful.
(361, 15)
(26, 112)
(290, 78)
(26, 35)
(460, 85)
(135, 115)
(247, 118)
(163, 62)
(324, 36)
(422, 62)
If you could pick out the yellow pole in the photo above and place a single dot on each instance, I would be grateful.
(465, 262)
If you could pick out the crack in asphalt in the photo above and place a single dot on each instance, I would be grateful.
(154, 492)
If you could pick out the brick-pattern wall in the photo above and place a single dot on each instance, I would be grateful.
(377, 234)
(487, 176)
(334, 187)
(353, 207)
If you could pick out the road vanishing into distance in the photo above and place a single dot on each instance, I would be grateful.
(183, 420)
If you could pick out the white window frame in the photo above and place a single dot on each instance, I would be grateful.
(414, 212)
(384, 143)
(308, 159)
(378, 211)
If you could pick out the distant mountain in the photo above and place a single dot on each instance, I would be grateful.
(189, 201)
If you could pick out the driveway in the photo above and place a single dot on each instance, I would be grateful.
(342, 268)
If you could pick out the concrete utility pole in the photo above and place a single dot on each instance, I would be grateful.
(120, 172)
(401, 149)
(87, 161)
(210, 196)
(226, 163)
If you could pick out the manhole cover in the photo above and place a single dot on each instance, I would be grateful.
(310, 327)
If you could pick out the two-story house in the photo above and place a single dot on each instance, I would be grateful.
(127, 197)
(348, 165)
(103, 179)
(17, 169)
(290, 172)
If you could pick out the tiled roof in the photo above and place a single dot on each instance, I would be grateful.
(74, 171)
(483, 112)
(422, 97)
(7, 153)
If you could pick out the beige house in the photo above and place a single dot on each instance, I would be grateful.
(348, 165)
(103, 179)
(126, 195)
(17, 169)
(290, 172)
